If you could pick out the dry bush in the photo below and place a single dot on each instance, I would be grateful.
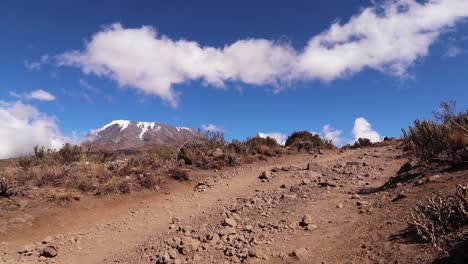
(63, 199)
(7, 188)
(162, 152)
(150, 181)
(444, 138)
(263, 146)
(440, 219)
(362, 143)
(307, 141)
(179, 175)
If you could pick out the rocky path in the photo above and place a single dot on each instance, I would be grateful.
(299, 208)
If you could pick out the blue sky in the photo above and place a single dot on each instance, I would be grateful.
(400, 82)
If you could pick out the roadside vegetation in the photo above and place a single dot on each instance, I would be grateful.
(71, 171)
(443, 139)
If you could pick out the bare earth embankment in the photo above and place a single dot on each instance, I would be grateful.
(304, 208)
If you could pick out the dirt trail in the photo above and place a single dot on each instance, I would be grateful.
(340, 231)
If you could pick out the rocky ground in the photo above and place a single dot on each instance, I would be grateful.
(319, 207)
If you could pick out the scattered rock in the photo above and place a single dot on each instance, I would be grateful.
(363, 203)
(434, 178)
(299, 253)
(265, 176)
(399, 197)
(230, 222)
(306, 220)
(340, 205)
(49, 251)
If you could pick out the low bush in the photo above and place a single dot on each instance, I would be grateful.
(362, 143)
(440, 218)
(7, 188)
(307, 141)
(179, 175)
(264, 146)
(442, 138)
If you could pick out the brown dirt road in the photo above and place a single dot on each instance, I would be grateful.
(267, 214)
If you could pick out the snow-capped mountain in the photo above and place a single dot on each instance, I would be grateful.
(127, 135)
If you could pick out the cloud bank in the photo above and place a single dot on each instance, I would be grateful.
(23, 127)
(363, 129)
(387, 37)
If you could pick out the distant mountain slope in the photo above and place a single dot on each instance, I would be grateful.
(127, 135)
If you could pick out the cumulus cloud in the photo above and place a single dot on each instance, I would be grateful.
(40, 95)
(332, 134)
(23, 126)
(279, 137)
(363, 129)
(212, 128)
(386, 37)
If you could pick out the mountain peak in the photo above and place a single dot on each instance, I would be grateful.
(126, 134)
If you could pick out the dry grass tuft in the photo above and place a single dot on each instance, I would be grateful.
(445, 138)
(179, 174)
(7, 188)
(440, 219)
(63, 199)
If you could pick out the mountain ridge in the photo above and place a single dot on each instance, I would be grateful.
(132, 135)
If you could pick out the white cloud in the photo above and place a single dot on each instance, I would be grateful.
(36, 65)
(279, 137)
(332, 134)
(40, 95)
(387, 37)
(23, 126)
(363, 129)
(212, 128)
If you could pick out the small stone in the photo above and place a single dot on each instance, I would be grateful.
(265, 175)
(227, 231)
(49, 252)
(299, 253)
(311, 227)
(230, 222)
(362, 203)
(340, 205)
(434, 178)
(305, 181)
(289, 196)
(248, 228)
(47, 240)
(306, 220)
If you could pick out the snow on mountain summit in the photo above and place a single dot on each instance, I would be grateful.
(126, 134)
